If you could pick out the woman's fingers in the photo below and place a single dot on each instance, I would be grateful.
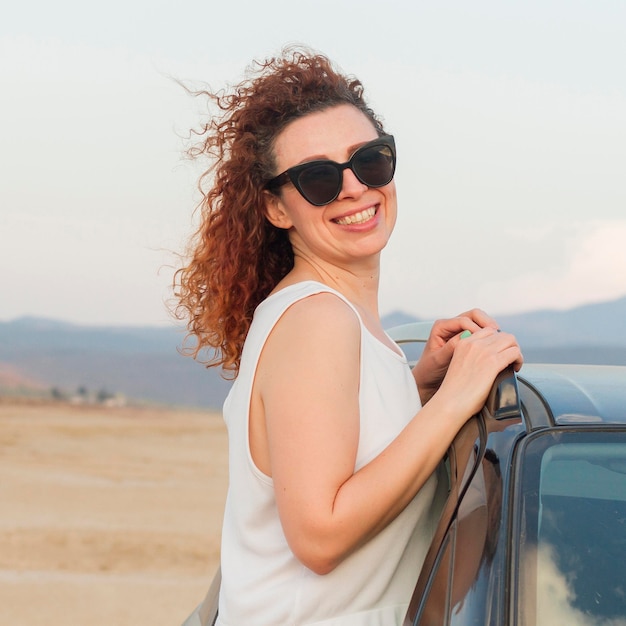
(472, 320)
(503, 347)
(478, 317)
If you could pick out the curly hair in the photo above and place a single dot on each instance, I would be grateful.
(237, 256)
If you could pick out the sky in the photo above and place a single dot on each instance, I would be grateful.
(509, 118)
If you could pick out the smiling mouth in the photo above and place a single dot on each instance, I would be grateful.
(357, 218)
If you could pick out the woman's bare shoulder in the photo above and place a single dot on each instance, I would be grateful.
(322, 311)
(314, 328)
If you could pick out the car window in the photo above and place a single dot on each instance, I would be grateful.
(478, 525)
(573, 530)
(435, 608)
(455, 593)
(430, 602)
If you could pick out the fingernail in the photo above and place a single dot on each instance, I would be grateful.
(466, 333)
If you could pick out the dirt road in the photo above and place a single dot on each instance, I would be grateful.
(107, 516)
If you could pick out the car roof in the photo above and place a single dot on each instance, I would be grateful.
(578, 394)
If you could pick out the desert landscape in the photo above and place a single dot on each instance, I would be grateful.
(108, 516)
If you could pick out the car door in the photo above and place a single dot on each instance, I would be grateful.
(463, 576)
(432, 599)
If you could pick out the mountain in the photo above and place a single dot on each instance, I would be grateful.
(593, 325)
(602, 324)
(141, 363)
(144, 363)
(590, 334)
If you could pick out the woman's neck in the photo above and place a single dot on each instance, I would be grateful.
(358, 282)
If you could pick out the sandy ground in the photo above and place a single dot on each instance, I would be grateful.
(107, 516)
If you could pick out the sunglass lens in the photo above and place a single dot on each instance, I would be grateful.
(320, 183)
(374, 165)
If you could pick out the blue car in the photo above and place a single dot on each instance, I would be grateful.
(533, 532)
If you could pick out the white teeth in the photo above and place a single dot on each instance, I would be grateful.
(357, 218)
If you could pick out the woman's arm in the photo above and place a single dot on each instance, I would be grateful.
(307, 384)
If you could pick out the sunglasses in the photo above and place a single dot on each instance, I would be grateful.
(320, 182)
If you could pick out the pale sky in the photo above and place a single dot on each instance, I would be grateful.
(510, 120)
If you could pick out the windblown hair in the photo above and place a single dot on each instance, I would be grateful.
(237, 256)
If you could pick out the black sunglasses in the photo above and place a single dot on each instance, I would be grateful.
(320, 182)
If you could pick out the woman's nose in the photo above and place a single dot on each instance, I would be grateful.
(351, 186)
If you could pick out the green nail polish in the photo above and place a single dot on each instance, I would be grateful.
(466, 333)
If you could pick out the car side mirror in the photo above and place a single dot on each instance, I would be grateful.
(503, 400)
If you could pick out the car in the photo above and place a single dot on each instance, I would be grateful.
(533, 531)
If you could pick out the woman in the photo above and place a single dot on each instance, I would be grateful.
(334, 442)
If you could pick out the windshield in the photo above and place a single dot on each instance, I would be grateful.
(573, 530)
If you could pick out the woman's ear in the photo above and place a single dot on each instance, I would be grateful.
(275, 211)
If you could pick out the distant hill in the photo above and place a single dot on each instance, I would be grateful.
(141, 363)
(593, 325)
(144, 363)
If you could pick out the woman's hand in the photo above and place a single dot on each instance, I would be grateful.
(475, 363)
(440, 347)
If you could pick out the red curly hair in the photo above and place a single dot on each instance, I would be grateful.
(236, 256)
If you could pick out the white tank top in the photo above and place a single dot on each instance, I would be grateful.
(263, 584)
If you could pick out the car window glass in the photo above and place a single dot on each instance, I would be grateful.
(574, 527)
(435, 608)
(477, 536)
(433, 587)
